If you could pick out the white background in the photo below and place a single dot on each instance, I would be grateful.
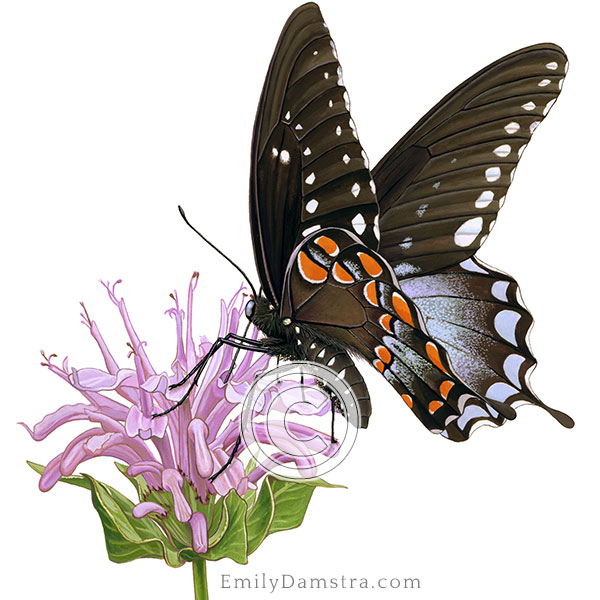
(114, 112)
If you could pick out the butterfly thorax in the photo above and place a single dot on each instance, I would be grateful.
(285, 338)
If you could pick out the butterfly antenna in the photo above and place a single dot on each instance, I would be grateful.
(182, 213)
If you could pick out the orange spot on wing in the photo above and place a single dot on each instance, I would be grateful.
(310, 270)
(341, 274)
(434, 356)
(328, 245)
(402, 309)
(379, 365)
(434, 405)
(407, 399)
(384, 354)
(386, 322)
(445, 388)
(371, 266)
(371, 293)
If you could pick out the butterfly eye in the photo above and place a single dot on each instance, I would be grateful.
(250, 308)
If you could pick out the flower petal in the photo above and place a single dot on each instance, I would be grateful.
(65, 414)
(137, 424)
(97, 380)
(172, 482)
(145, 508)
(198, 432)
(199, 533)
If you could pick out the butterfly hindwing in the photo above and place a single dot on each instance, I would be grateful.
(308, 169)
(441, 186)
(476, 313)
(346, 290)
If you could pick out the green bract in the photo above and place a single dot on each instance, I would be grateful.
(236, 525)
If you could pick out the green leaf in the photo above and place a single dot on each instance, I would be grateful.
(138, 482)
(260, 516)
(77, 480)
(234, 543)
(219, 524)
(128, 538)
(291, 501)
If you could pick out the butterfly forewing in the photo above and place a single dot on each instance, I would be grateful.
(440, 188)
(308, 168)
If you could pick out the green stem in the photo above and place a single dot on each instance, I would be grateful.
(200, 583)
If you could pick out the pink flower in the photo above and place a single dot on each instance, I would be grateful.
(184, 447)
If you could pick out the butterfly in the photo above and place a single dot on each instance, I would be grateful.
(380, 264)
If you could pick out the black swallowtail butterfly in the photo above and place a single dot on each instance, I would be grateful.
(380, 264)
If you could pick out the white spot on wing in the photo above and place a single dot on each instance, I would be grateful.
(421, 210)
(499, 289)
(310, 179)
(372, 186)
(500, 391)
(338, 130)
(528, 105)
(340, 77)
(552, 65)
(347, 100)
(403, 269)
(436, 185)
(333, 50)
(502, 151)
(353, 128)
(492, 174)
(312, 205)
(355, 190)
(287, 116)
(505, 323)
(549, 106)
(469, 265)
(326, 75)
(406, 243)
(359, 224)
(512, 127)
(533, 126)
(274, 152)
(521, 150)
(467, 233)
(285, 157)
(310, 230)
(346, 159)
(376, 227)
(298, 127)
(365, 158)
(330, 104)
(484, 199)
(471, 412)
(543, 82)
(307, 151)
(512, 365)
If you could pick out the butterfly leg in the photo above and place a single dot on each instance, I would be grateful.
(230, 339)
(229, 460)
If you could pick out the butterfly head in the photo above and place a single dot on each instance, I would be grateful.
(265, 316)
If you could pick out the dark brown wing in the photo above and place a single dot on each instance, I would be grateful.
(441, 186)
(308, 169)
